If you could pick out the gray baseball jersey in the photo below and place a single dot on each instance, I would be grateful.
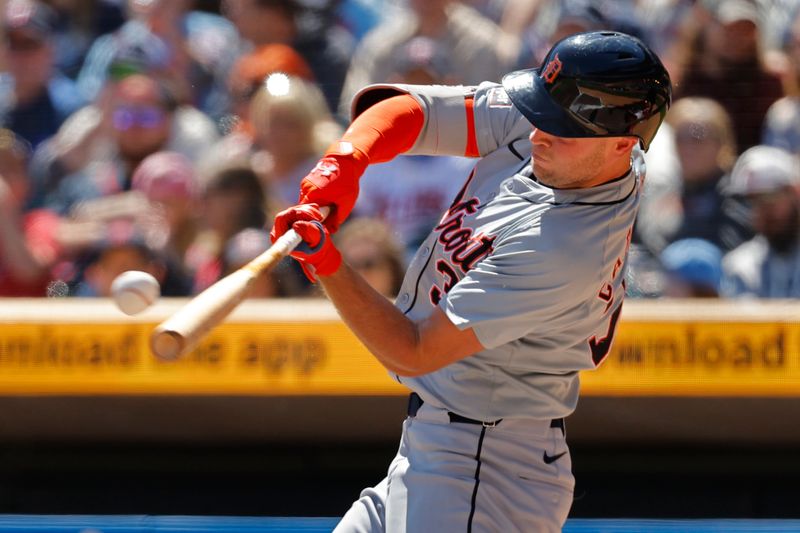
(536, 272)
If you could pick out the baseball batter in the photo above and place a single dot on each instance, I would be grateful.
(517, 289)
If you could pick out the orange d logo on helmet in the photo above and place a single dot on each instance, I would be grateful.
(552, 69)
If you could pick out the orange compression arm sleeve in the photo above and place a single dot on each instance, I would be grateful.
(382, 132)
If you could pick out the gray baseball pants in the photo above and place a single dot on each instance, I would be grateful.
(453, 476)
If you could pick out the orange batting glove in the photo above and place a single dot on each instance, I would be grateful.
(333, 182)
(316, 254)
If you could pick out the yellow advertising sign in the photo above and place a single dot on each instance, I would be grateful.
(249, 358)
(302, 348)
(696, 358)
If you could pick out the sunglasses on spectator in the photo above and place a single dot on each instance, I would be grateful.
(127, 117)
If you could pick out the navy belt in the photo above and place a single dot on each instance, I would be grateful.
(415, 402)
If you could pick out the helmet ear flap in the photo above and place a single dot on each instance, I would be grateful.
(595, 84)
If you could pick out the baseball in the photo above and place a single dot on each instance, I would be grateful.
(134, 291)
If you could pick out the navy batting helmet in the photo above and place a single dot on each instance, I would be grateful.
(595, 84)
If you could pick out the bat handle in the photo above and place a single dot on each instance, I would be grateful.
(282, 247)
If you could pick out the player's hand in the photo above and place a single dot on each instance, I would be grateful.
(317, 254)
(332, 182)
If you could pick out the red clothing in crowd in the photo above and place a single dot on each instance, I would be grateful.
(39, 228)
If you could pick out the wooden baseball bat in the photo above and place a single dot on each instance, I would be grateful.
(182, 331)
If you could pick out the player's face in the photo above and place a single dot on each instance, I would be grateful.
(566, 163)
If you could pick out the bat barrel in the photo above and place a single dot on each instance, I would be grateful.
(186, 328)
(183, 330)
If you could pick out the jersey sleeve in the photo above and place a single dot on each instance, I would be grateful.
(459, 120)
(521, 288)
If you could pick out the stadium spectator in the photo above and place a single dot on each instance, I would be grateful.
(415, 202)
(138, 50)
(725, 63)
(168, 181)
(251, 71)
(80, 22)
(700, 206)
(494, 10)
(124, 247)
(664, 23)
(473, 43)
(35, 98)
(28, 242)
(292, 127)
(261, 22)
(360, 16)
(200, 49)
(85, 133)
(233, 200)
(325, 46)
(141, 118)
(88, 135)
(421, 60)
(777, 18)
(287, 126)
(782, 123)
(519, 19)
(693, 269)
(767, 266)
(540, 24)
(155, 217)
(368, 246)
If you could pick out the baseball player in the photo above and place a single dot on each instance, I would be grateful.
(517, 289)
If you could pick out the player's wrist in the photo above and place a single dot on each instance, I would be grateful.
(329, 264)
(352, 161)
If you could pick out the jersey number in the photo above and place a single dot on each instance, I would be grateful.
(450, 279)
(601, 347)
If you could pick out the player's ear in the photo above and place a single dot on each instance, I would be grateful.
(624, 145)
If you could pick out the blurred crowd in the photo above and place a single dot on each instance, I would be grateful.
(163, 135)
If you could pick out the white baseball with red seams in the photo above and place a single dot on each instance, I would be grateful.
(134, 291)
